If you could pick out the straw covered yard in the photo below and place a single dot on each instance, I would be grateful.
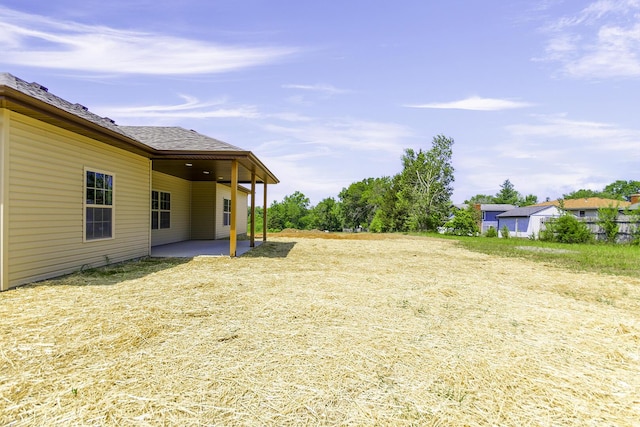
(304, 330)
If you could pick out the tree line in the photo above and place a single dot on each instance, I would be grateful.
(418, 198)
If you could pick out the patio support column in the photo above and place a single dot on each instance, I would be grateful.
(233, 238)
(264, 213)
(253, 210)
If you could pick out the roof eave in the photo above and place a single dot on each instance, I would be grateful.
(22, 103)
(255, 165)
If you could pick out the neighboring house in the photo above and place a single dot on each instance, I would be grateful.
(526, 221)
(635, 202)
(78, 190)
(586, 207)
(490, 212)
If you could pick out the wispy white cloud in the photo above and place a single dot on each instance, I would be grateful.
(38, 41)
(192, 108)
(475, 103)
(323, 156)
(326, 89)
(593, 135)
(348, 136)
(600, 41)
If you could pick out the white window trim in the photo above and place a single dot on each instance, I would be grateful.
(85, 205)
(159, 210)
(224, 213)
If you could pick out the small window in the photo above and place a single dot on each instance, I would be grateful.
(582, 214)
(98, 205)
(226, 212)
(160, 210)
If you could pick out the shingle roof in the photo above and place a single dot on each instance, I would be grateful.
(176, 139)
(495, 207)
(37, 91)
(523, 211)
(159, 138)
(152, 141)
(587, 203)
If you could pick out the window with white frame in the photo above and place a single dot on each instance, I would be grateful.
(226, 212)
(160, 210)
(99, 191)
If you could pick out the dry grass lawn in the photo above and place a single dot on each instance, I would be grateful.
(314, 331)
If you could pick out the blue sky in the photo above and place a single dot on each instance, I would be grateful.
(543, 93)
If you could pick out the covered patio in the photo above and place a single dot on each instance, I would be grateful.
(194, 248)
(206, 163)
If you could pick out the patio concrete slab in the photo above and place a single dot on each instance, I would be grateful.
(194, 248)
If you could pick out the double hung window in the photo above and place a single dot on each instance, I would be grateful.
(226, 212)
(160, 210)
(99, 190)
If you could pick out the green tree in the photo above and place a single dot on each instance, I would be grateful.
(392, 213)
(607, 220)
(507, 194)
(480, 199)
(582, 194)
(426, 185)
(464, 222)
(529, 200)
(360, 201)
(325, 215)
(290, 213)
(622, 190)
(258, 223)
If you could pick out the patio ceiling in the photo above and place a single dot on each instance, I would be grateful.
(197, 168)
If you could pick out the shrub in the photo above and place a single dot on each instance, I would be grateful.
(463, 223)
(607, 221)
(566, 229)
(491, 232)
(504, 232)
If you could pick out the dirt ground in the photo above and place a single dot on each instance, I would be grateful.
(325, 331)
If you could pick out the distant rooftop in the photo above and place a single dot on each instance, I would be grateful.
(587, 203)
(523, 211)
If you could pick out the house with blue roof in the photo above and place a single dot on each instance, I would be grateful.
(526, 221)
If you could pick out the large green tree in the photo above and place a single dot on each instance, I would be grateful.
(292, 212)
(621, 189)
(507, 194)
(361, 199)
(426, 184)
(325, 215)
(617, 190)
(584, 193)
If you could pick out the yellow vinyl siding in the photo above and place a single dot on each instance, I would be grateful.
(203, 219)
(242, 214)
(46, 193)
(223, 231)
(180, 190)
(4, 187)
